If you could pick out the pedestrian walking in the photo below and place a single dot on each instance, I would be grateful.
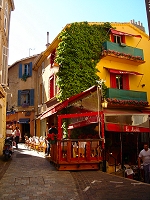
(144, 156)
(52, 132)
(17, 136)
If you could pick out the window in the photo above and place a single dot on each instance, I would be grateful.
(25, 69)
(117, 39)
(4, 65)
(26, 97)
(53, 88)
(119, 81)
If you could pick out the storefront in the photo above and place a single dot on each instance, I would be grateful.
(87, 137)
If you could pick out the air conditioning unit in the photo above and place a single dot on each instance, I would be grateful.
(123, 44)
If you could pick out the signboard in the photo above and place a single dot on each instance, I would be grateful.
(125, 128)
(87, 120)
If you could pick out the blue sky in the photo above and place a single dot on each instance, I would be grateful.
(32, 19)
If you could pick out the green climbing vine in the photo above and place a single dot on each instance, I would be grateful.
(77, 55)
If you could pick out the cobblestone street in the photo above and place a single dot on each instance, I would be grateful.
(30, 176)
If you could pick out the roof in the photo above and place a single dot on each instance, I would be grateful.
(23, 59)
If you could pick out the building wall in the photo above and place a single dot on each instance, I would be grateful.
(135, 81)
(16, 84)
(4, 42)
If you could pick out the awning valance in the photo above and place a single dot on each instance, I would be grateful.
(113, 31)
(24, 120)
(117, 71)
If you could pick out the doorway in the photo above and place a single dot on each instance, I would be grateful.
(25, 131)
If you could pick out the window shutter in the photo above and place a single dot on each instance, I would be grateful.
(123, 39)
(112, 80)
(126, 81)
(112, 37)
(32, 97)
(19, 97)
(30, 69)
(20, 70)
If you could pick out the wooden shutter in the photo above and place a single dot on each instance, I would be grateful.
(123, 39)
(126, 81)
(30, 69)
(20, 70)
(113, 80)
(19, 97)
(112, 37)
(32, 97)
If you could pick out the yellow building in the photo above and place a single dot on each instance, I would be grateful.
(6, 6)
(127, 51)
(124, 66)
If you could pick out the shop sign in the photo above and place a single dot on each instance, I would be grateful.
(125, 128)
(87, 120)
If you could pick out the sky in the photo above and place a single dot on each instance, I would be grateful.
(32, 19)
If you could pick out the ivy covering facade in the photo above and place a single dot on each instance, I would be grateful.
(77, 54)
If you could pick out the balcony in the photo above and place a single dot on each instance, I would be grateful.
(122, 53)
(122, 98)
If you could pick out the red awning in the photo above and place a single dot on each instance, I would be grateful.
(113, 31)
(117, 71)
(59, 106)
(53, 109)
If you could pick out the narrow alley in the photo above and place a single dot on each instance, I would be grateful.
(31, 176)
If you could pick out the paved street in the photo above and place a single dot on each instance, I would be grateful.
(31, 176)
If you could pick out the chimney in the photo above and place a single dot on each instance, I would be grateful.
(138, 25)
(47, 40)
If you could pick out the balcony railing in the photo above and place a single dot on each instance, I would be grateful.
(123, 52)
(126, 97)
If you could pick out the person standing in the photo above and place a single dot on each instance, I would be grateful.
(144, 155)
(17, 136)
(50, 137)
